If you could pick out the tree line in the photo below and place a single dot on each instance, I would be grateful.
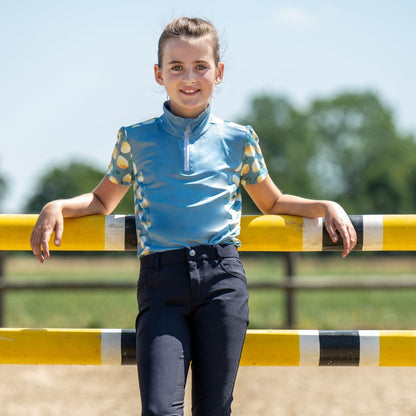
(346, 147)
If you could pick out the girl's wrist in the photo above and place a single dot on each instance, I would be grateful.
(57, 204)
(53, 206)
(325, 207)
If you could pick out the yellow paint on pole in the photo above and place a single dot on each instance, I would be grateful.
(271, 233)
(399, 232)
(258, 233)
(261, 348)
(85, 233)
(397, 348)
(271, 348)
(50, 346)
(15, 231)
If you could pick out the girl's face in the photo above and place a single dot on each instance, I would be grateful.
(189, 74)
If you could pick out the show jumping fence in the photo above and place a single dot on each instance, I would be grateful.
(261, 348)
(259, 233)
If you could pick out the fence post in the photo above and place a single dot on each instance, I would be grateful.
(290, 260)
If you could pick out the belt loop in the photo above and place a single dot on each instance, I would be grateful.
(218, 249)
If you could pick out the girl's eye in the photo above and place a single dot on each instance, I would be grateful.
(201, 67)
(176, 68)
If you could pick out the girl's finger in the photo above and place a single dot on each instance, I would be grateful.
(331, 231)
(59, 229)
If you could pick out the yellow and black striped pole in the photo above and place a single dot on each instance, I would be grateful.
(262, 348)
(258, 233)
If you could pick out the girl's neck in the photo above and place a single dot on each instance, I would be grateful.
(177, 125)
(188, 115)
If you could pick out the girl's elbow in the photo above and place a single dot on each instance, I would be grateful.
(106, 211)
(267, 211)
(100, 207)
(270, 209)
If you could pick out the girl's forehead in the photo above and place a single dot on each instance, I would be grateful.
(193, 49)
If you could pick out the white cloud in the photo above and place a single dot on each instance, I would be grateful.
(295, 16)
(302, 17)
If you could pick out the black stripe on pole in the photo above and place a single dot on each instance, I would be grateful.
(329, 245)
(128, 346)
(130, 237)
(339, 348)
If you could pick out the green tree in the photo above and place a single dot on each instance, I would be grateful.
(363, 161)
(3, 189)
(345, 148)
(70, 180)
(286, 144)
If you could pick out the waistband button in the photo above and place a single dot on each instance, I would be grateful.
(192, 252)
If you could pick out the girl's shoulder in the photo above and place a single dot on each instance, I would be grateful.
(139, 130)
(233, 128)
(147, 123)
(231, 125)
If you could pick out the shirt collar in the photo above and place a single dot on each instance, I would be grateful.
(176, 125)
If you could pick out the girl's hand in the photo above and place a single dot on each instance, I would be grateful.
(336, 219)
(102, 200)
(50, 220)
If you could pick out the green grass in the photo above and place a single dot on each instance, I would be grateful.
(72, 308)
(371, 309)
(335, 309)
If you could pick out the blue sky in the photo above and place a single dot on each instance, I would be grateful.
(73, 71)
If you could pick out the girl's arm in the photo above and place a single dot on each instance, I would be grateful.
(270, 200)
(102, 200)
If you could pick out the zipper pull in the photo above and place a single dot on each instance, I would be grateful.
(187, 149)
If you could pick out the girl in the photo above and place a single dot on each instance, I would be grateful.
(186, 167)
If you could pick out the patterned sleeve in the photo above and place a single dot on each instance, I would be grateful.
(120, 169)
(254, 168)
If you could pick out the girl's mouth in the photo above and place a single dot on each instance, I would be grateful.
(189, 92)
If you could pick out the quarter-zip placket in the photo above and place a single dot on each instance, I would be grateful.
(187, 145)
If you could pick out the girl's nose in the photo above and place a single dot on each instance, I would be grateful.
(188, 77)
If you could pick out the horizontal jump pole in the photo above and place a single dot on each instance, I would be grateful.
(258, 233)
(262, 348)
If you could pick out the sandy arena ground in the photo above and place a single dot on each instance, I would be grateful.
(113, 391)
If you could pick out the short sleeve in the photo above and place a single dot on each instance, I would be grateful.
(120, 169)
(254, 168)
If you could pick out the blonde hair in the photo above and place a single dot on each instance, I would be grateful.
(189, 27)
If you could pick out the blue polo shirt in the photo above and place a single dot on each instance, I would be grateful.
(186, 175)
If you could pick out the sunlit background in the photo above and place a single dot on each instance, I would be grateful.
(73, 71)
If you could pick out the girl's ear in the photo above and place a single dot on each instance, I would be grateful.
(220, 73)
(158, 74)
